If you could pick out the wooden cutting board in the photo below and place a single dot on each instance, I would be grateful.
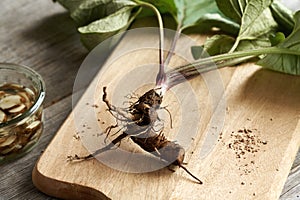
(256, 139)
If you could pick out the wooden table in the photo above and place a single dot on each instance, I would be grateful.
(40, 34)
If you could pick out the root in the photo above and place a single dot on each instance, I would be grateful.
(192, 175)
(128, 102)
(106, 137)
(108, 129)
(172, 170)
(138, 123)
(132, 96)
(156, 150)
(171, 121)
(99, 151)
(112, 109)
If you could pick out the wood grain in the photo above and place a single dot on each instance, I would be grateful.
(31, 35)
(41, 35)
(262, 101)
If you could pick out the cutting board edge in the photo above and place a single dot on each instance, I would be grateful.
(62, 189)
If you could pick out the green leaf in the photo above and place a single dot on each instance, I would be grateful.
(216, 20)
(99, 30)
(286, 63)
(253, 13)
(218, 44)
(283, 16)
(84, 12)
(255, 17)
(164, 6)
(202, 15)
(221, 44)
(258, 43)
(252, 28)
(189, 13)
(197, 52)
(232, 9)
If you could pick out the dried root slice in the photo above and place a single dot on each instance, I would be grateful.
(29, 92)
(7, 150)
(14, 101)
(26, 99)
(3, 138)
(36, 135)
(3, 117)
(13, 86)
(2, 93)
(11, 149)
(34, 125)
(24, 139)
(3, 134)
(8, 141)
(17, 110)
(29, 144)
(10, 101)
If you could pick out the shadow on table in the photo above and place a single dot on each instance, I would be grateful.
(61, 54)
(58, 37)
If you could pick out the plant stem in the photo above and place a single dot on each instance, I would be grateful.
(173, 45)
(189, 71)
(179, 75)
(161, 76)
(239, 54)
(235, 45)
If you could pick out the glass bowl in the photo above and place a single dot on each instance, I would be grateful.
(22, 92)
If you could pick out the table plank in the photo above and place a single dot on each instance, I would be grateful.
(39, 33)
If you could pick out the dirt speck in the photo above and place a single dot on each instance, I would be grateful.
(76, 136)
(95, 106)
(264, 142)
(245, 143)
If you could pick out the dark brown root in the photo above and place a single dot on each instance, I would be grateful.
(108, 130)
(158, 145)
(114, 111)
(99, 151)
(192, 175)
(140, 119)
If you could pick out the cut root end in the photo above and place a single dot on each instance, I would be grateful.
(192, 175)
